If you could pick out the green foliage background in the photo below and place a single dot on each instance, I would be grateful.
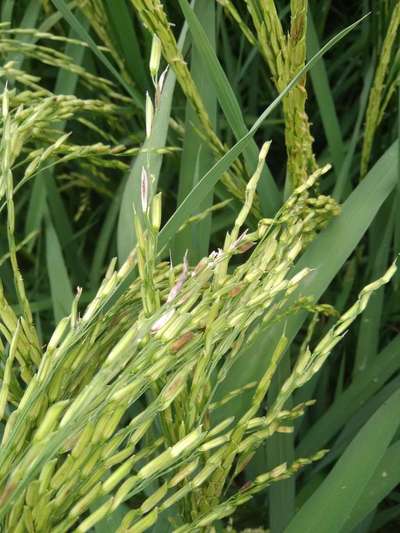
(227, 63)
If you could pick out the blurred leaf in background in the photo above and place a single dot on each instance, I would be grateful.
(149, 383)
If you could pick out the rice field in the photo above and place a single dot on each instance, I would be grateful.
(199, 297)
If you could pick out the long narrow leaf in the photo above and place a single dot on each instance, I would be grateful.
(186, 209)
(330, 507)
(352, 399)
(197, 156)
(269, 195)
(348, 228)
(61, 292)
(84, 35)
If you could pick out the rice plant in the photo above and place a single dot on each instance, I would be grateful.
(199, 293)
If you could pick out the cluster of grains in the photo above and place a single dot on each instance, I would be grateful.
(384, 86)
(121, 409)
(121, 404)
(285, 55)
(154, 17)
